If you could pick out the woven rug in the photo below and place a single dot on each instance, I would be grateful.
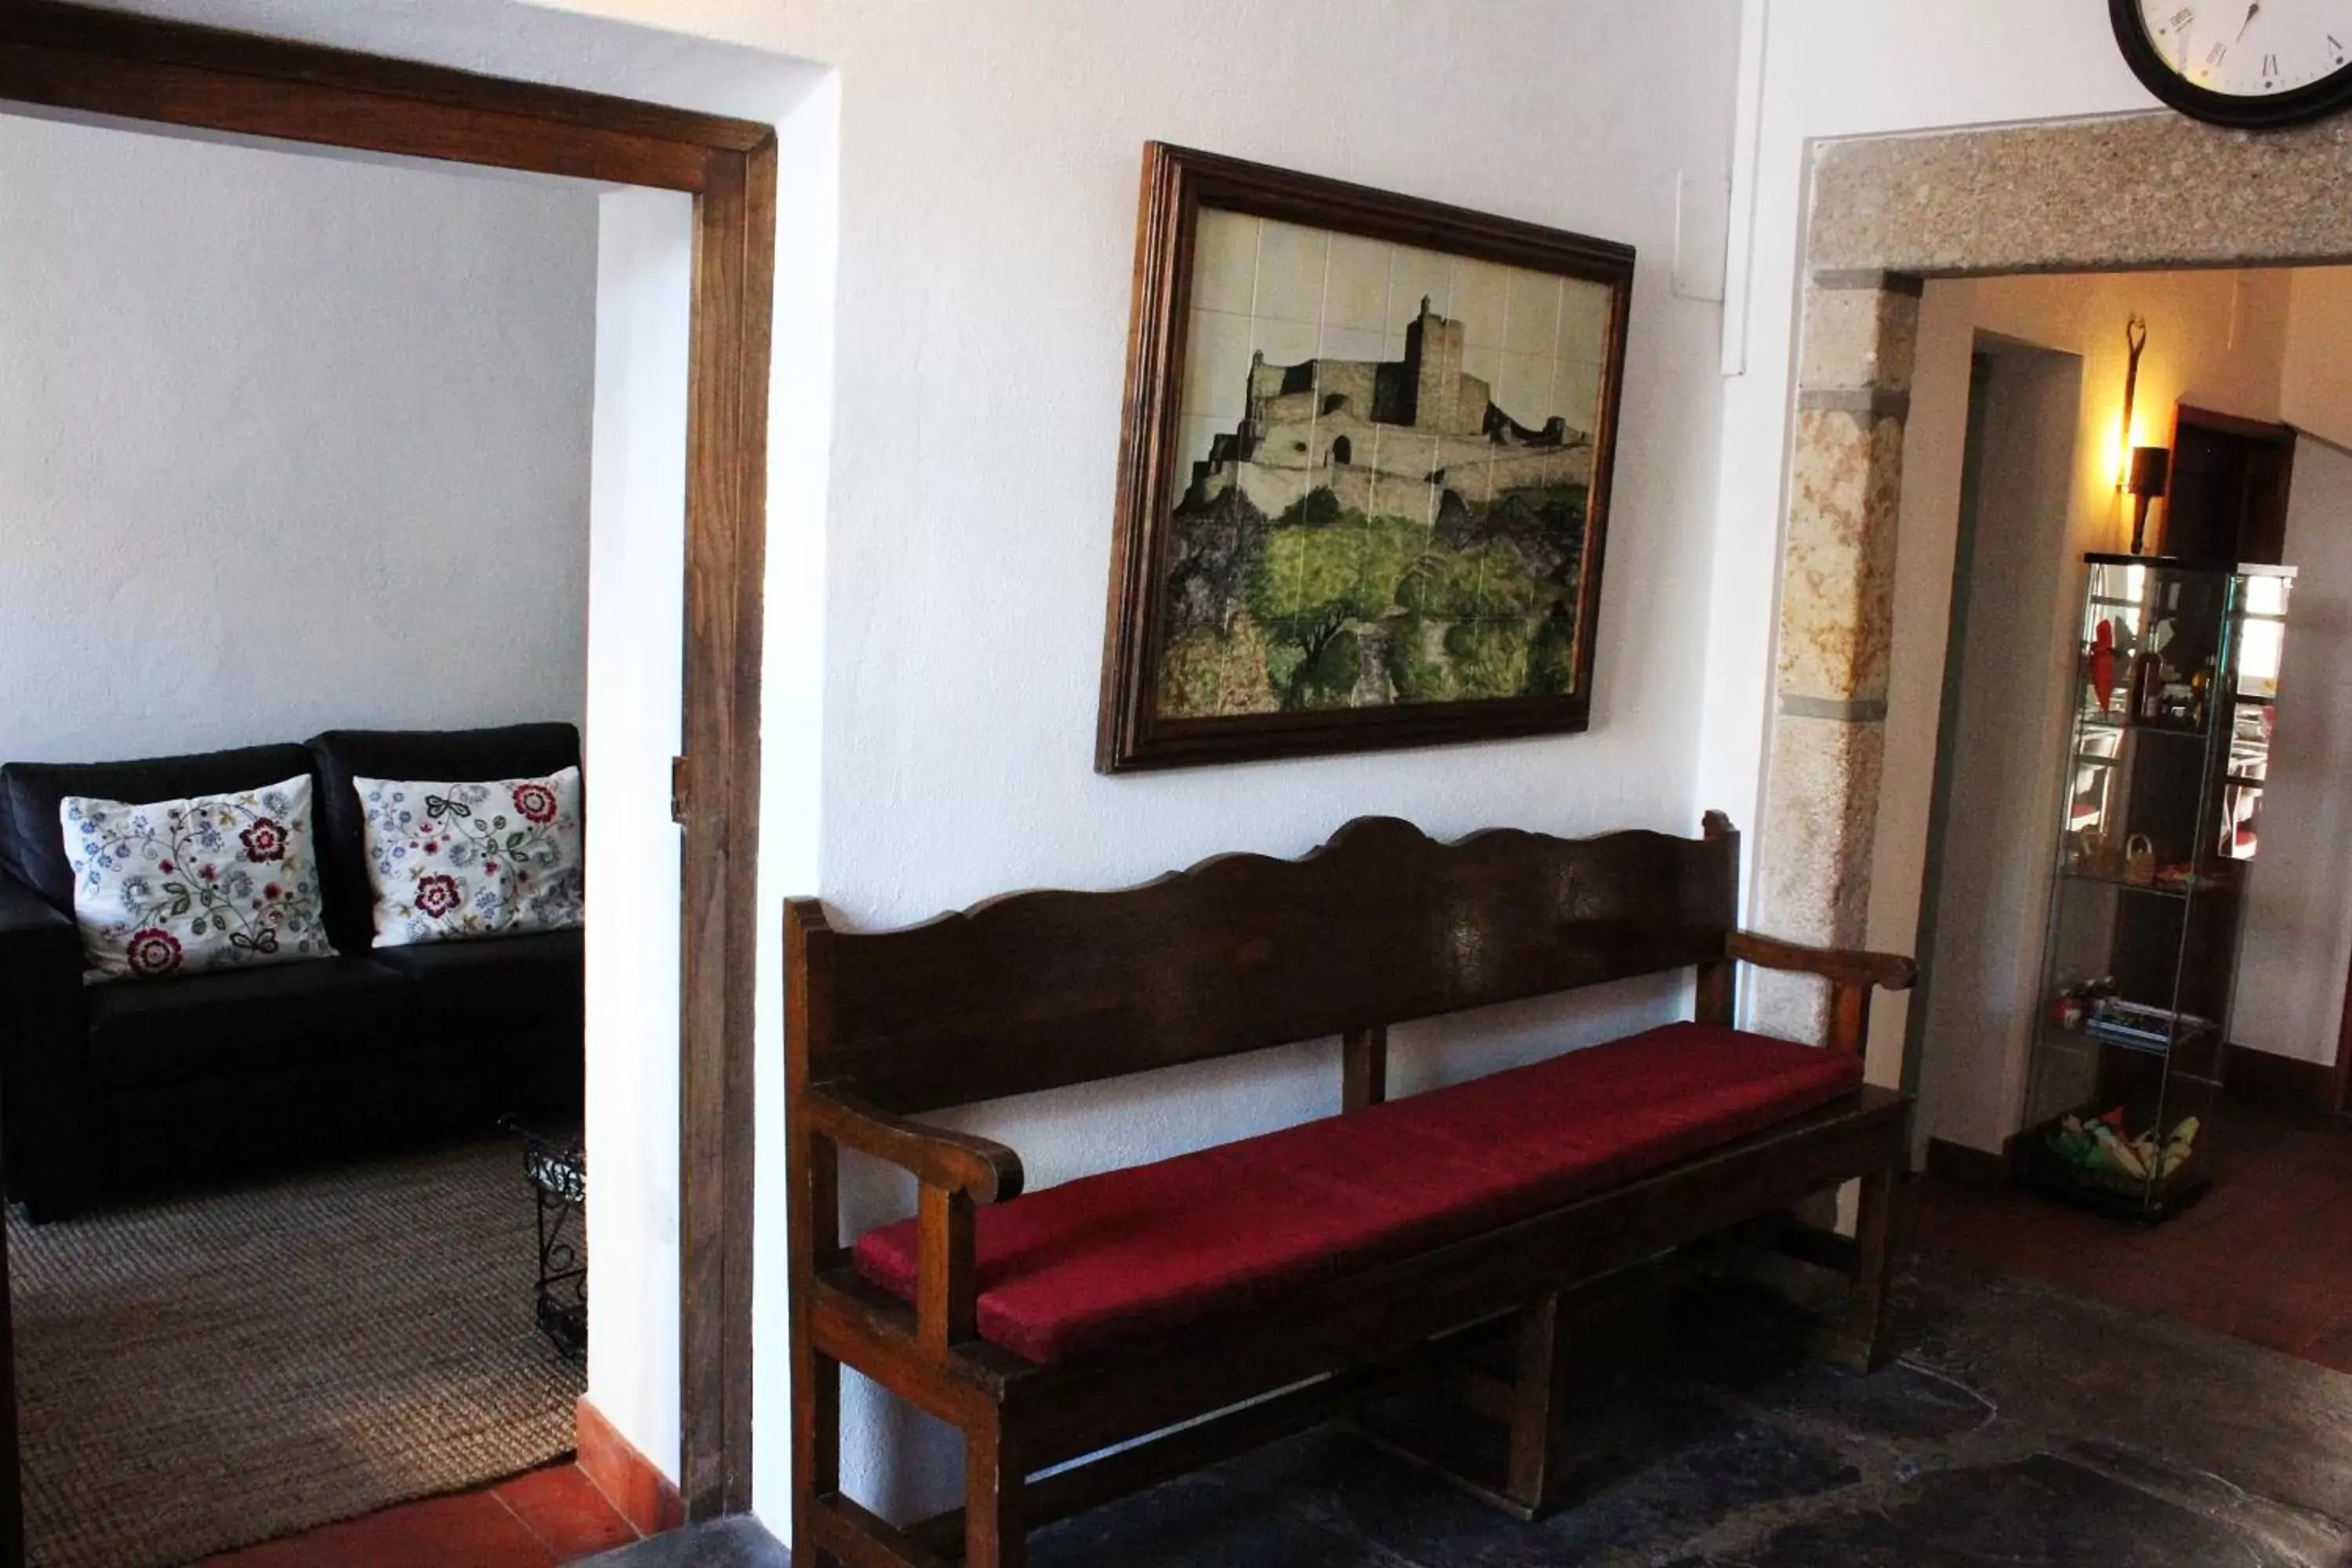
(212, 1371)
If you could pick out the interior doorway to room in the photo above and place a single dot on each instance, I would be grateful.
(2136, 912)
(157, 76)
(311, 437)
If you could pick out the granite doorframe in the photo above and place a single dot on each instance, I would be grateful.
(2130, 192)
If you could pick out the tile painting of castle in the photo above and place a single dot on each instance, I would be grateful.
(1392, 529)
(1386, 438)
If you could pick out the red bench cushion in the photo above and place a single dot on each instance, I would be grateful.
(1069, 1270)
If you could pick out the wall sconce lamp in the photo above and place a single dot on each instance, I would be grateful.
(2151, 471)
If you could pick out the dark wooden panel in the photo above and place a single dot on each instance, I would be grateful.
(240, 65)
(726, 486)
(2227, 499)
(300, 112)
(1383, 924)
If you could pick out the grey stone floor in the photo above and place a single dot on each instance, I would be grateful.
(2021, 1425)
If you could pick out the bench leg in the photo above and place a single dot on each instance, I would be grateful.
(1538, 1398)
(1857, 1341)
(995, 1526)
(816, 1452)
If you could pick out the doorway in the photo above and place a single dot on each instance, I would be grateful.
(2018, 375)
(61, 59)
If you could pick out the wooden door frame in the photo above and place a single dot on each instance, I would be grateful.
(135, 68)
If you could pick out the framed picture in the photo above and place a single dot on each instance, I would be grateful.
(1364, 473)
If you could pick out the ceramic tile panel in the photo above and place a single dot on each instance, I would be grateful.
(1291, 264)
(1217, 364)
(1224, 262)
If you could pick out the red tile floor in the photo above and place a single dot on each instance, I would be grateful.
(541, 1519)
(2266, 1256)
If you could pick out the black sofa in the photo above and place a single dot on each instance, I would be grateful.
(128, 1086)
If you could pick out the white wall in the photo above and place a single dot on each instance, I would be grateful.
(2299, 906)
(286, 442)
(981, 342)
(1980, 988)
(1827, 68)
(1830, 68)
(952, 497)
(2298, 920)
(636, 630)
(2315, 383)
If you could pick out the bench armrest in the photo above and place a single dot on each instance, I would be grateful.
(957, 1171)
(983, 1171)
(1851, 972)
(1839, 966)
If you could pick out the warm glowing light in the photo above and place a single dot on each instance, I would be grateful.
(2120, 459)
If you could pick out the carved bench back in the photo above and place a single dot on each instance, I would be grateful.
(1035, 991)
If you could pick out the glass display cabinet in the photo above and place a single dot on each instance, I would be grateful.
(2168, 749)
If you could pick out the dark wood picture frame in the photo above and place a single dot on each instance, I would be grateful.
(1178, 182)
(71, 59)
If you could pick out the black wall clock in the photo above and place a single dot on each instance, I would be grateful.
(2250, 63)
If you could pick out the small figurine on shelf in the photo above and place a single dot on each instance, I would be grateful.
(2077, 1004)
(2102, 665)
(2139, 860)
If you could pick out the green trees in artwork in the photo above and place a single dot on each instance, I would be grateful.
(1321, 606)
(1315, 589)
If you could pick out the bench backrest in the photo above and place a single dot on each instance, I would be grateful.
(1036, 990)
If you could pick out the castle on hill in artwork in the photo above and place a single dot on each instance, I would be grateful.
(1376, 531)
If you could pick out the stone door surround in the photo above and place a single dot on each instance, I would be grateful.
(2132, 193)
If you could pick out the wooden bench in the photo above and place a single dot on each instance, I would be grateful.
(1339, 1252)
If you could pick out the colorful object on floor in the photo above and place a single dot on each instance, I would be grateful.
(2103, 1145)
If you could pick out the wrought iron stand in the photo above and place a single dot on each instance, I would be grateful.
(557, 1173)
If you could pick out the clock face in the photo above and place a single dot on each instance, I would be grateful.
(2240, 62)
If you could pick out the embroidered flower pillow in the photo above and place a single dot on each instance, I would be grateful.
(180, 887)
(454, 860)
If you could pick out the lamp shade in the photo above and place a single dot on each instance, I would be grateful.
(2151, 468)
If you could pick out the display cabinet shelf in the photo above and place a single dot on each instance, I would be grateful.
(2158, 824)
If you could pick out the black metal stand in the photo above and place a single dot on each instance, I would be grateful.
(557, 1173)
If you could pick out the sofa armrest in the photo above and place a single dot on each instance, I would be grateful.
(26, 917)
(45, 1105)
(1839, 966)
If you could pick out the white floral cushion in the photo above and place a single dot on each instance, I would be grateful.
(452, 860)
(180, 887)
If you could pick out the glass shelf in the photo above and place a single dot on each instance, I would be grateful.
(2158, 890)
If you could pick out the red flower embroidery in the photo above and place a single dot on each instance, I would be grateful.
(167, 866)
(209, 873)
(265, 840)
(153, 952)
(272, 891)
(436, 896)
(535, 801)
